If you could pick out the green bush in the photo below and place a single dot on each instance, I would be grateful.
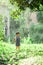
(1, 28)
(6, 51)
(40, 17)
(36, 33)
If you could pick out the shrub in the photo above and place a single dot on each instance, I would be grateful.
(36, 33)
(1, 28)
(40, 17)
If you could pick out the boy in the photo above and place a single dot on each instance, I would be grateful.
(17, 40)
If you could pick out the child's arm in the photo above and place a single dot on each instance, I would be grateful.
(15, 39)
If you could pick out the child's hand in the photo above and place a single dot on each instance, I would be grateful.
(14, 40)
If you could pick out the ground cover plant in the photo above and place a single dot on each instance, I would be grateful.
(9, 53)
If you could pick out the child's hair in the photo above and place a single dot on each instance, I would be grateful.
(17, 33)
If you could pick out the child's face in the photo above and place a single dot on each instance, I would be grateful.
(17, 34)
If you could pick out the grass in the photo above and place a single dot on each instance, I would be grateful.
(26, 50)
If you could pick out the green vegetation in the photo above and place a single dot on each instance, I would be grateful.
(1, 29)
(9, 53)
(33, 4)
(40, 17)
(36, 30)
(36, 33)
(30, 25)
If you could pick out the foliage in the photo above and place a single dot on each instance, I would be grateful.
(8, 51)
(41, 7)
(5, 51)
(33, 4)
(1, 28)
(15, 13)
(36, 33)
(40, 17)
(26, 40)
